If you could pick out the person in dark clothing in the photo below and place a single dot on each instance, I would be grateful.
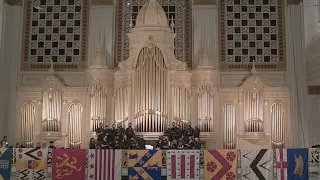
(196, 133)
(197, 143)
(130, 131)
(92, 144)
(51, 145)
(99, 132)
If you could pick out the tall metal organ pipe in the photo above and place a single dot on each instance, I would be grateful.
(150, 98)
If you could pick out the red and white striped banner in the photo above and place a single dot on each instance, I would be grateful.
(104, 164)
(183, 164)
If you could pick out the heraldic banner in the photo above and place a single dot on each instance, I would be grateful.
(31, 163)
(298, 164)
(183, 164)
(281, 164)
(68, 164)
(144, 164)
(104, 164)
(5, 163)
(257, 164)
(220, 164)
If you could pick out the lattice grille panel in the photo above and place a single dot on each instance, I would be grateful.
(55, 30)
(178, 9)
(252, 30)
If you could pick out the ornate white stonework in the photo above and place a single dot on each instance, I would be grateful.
(152, 89)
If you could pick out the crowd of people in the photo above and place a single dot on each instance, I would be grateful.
(4, 143)
(116, 137)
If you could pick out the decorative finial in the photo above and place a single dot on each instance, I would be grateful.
(253, 70)
(172, 23)
(51, 70)
(206, 62)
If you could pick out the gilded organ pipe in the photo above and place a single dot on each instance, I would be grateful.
(229, 126)
(52, 109)
(205, 109)
(98, 103)
(150, 77)
(75, 124)
(277, 125)
(27, 123)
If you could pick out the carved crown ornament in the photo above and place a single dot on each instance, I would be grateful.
(207, 88)
(95, 88)
(253, 83)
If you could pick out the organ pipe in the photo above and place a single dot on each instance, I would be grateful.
(253, 111)
(52, 108)
(229, 117)
(122, 105)
(181, 107)
(98, 106)
(150, 98)
(75, 125)
(205, 108)
(28, 111)
(277, 125)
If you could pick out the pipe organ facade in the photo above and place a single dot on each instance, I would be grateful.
(98, 106)
(52, 105)
(75, 119)
(28, 112)
(152, 89)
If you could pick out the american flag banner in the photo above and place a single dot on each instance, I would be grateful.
(183, 164)
(104, 164)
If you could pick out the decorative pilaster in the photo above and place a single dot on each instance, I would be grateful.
(205, 29)
(11, 23)
(101, 29)
(296, 75)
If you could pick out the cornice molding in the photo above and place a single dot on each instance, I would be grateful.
(314, 89)
(294, 2)
(204, 2)
(101, 2)
(13, 2)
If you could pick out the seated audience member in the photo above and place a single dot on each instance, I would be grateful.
(38, 145)
(92, 144)
(44, 145)
(51, 145)
(4, 142)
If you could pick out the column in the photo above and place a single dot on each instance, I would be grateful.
(205, 29)
(11, 23)
(296, 77)
(102, 28)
